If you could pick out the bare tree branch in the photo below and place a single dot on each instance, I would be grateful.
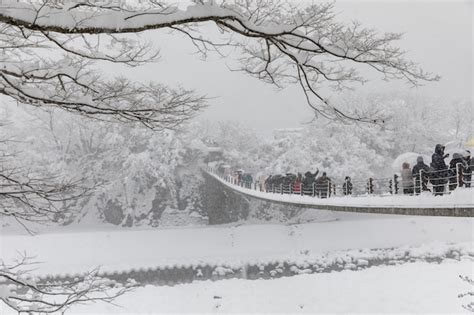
(24, 293)
(279, 42)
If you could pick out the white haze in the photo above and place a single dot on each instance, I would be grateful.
(437, 35)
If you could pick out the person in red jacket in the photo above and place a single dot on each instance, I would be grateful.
(297, 184)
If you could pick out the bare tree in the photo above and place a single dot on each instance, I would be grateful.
(27, 294)
(278, 42)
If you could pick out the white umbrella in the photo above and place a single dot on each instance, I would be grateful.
(409, 157)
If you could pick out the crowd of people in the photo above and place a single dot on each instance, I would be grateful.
(441, 175)
(307, 184)
(413, 180)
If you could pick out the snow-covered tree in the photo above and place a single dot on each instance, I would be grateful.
(51, 52)
(50, 48)
(462, 119)
(31, 188)
(137, 173)
(411, 124)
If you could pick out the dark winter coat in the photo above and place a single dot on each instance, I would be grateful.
(289, 179)
(420, 166)
(322, 185)
(347, 188)
(425, 173)
(247, 178)
(437, 162)
(469, 164)
(468, 172)
(277, 180)
(439, 173)
(457, 174)
(457, 159)
(309, 179)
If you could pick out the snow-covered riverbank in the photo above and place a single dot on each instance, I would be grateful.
(408, 288)
(124, 249)
(341, 239)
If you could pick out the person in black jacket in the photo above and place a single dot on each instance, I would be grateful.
(420, 174)
(457, 167)
(308, 182)
(322, 186)
(440, 170)
(347, 186)
(469, 169)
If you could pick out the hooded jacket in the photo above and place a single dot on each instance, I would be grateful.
(437, 159)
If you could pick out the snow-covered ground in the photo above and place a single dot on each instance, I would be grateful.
(460, 198)
(123, 249)
(328, 237)
(408, 288)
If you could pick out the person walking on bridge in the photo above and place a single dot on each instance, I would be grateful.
(420, 173)
(323, 185)
(469, 170)
(347, 186)
(457, 167)
(407, 179)
(440, 170)
(297, 184)
(309, 182)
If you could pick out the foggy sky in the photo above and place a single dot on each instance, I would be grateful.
(437, 35)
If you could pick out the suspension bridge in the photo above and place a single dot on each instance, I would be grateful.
(380, 195)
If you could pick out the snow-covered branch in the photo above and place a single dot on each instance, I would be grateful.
(28, 195)
(280, 43)
(24, 293)
(68, 84)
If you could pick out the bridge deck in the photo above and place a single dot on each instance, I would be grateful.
(460, 203)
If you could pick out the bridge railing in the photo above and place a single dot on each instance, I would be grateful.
(438, 182)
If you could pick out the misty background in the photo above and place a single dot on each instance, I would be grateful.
(437, 34)
(143, 177)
